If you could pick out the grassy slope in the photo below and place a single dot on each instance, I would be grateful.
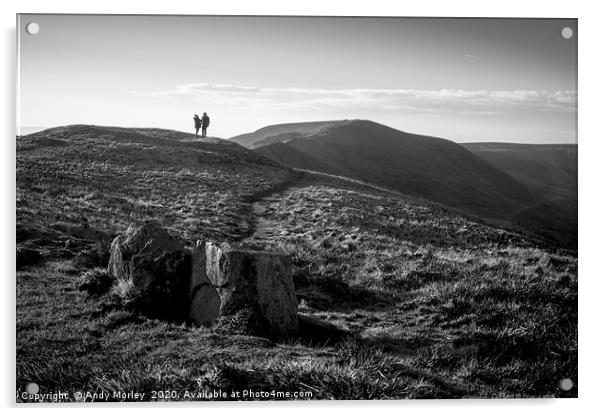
(437, 305)
(287, 155)
(281, 132)
(547, 170)
(429, 167)
(74, 179)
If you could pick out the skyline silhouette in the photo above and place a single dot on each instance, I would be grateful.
(463, 79)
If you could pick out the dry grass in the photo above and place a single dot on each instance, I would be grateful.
(435, 305)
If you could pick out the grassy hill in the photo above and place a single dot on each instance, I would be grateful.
(422, 301)
(428, 167)
(90, 177)
(547, 170)
(281, 132)
(288, 155)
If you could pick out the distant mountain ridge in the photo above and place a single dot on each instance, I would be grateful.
(476, 178)
(547, 169)
(429, 167)
(278, 133)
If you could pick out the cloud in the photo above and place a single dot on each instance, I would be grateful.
(413, 100)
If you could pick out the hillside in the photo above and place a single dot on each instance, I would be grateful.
(427, 167)
(547, 169)
(287, 155)
(416, 300)
(281, 132)
(99, 178)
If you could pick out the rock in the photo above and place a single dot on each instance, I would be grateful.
(204, 300)
(226, 280)
(157, 267)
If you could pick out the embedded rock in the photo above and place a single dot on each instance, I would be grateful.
(226, 280)
(204, 300)
(157, 268)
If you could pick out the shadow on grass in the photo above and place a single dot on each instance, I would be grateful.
(313, 332)
(352, 372)
(332, 293)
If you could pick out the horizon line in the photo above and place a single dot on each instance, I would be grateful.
(37, 129)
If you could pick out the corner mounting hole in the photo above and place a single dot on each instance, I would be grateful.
(566, 384)
(32, 28)
(567, 32)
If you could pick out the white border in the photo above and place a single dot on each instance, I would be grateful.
(590, 205)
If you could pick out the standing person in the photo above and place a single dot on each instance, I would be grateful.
(205, 125)
(197, 124)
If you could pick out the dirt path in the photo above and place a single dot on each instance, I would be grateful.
(263, 229)
(256, 228)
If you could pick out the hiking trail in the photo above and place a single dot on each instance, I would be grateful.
(255, 228)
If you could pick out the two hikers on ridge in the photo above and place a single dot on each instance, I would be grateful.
(201, 122)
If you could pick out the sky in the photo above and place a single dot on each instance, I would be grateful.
(467, 80)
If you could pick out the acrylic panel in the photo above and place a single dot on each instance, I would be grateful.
(295, 208)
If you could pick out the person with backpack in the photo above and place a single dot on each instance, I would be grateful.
(197, 125)
(205, 125)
